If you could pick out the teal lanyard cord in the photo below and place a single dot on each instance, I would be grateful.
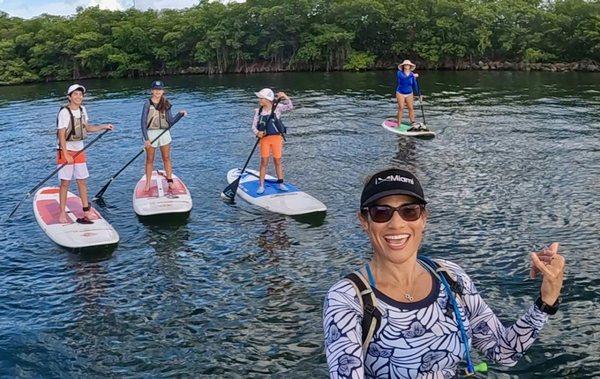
(470, 368)
(463, 333)
(428, 265)
(370, 275)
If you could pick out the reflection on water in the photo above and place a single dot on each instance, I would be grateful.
(229, 290)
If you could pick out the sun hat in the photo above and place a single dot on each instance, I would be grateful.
(265, 93)
(75, 87)
(391, 182)
(408, 62)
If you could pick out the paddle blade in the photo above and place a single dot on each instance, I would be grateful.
(229, 192)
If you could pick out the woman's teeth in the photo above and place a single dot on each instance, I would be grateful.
(397, 240)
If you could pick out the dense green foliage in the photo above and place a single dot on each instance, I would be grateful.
(295, 35)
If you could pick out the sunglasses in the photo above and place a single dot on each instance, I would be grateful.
(384, 213)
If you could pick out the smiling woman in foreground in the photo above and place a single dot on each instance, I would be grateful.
(404, 316)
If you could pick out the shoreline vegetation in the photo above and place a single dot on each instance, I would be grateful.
(302, 35)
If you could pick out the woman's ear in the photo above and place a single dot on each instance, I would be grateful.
(364, 222)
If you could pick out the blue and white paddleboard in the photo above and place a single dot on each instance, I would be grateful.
(291, 202)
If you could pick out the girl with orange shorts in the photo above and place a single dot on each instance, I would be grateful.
(268, 127)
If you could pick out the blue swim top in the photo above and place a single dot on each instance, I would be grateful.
(406, 84)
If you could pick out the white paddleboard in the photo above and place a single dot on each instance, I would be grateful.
(159, 199)
(404, 129)
(72, 234)
(292, 202)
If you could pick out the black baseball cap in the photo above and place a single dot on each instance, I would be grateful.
(158, 84)
(391, 182)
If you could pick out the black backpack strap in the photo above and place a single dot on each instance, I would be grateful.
(371, 319)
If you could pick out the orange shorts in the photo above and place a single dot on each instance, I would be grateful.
(60, 159)
(272, 144)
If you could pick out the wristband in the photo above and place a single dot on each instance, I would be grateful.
(548, 309)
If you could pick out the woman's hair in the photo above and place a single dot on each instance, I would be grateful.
(163, 104)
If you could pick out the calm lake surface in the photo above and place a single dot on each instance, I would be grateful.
(234, 291)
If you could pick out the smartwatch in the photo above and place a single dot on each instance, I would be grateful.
(548, 309)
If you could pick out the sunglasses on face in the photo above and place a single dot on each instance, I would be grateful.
(384, 213)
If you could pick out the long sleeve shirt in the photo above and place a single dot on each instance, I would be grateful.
(420, 339)
(406, 84)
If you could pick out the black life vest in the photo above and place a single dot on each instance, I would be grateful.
(270, 123)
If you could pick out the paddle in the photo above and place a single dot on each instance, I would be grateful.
(105, 187)
(230, 191)
(53, 173)
(421, 103)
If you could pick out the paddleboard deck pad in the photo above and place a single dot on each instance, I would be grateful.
(72, 234)
(159, 199)
(404, 129)
(291, 202)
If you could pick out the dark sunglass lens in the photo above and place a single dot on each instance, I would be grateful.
(380, 213)
(410, 212)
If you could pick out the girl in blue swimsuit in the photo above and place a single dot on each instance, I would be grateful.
(406, 87)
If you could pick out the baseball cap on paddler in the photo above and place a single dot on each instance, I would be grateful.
(391, 182)
(158, 84)
(75, 87)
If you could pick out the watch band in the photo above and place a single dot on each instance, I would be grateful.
(548, 309)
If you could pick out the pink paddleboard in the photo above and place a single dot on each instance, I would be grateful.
(71, 234)
(159, 199)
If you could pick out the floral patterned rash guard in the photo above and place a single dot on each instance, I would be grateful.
(420, 339)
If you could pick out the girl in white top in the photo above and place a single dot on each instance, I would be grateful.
(72, 127)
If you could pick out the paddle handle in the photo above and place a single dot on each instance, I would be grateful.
(31, 191)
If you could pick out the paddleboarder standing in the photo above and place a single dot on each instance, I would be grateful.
(157, 116)
(268, 127)
(72, 125)
(406, 87)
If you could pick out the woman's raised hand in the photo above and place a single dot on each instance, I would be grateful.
(551, 265)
